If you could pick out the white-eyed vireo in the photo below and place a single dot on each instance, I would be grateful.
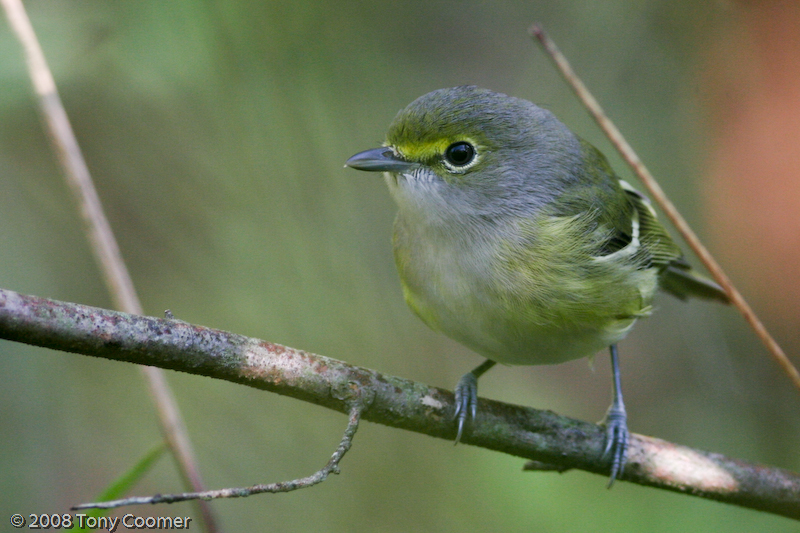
(515, 237)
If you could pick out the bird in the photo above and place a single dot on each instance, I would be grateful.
(515, 237)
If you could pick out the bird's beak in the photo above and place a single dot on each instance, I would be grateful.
(380, 160)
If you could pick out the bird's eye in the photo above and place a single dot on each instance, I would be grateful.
(459, 155)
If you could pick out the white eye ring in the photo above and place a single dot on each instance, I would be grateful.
(460, 156)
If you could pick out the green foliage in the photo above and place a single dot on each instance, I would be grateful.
(125, 482)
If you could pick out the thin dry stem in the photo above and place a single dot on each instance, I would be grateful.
(657, 193)
(101, 237)
(284, 486)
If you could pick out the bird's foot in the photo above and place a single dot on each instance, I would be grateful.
(616, 424)
(466, 401)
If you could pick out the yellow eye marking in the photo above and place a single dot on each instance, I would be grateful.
(412, 151)
(425, 151)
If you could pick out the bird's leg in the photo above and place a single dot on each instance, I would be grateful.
(616, 423)
(467, 395)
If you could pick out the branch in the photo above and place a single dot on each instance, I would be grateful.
(524, 432)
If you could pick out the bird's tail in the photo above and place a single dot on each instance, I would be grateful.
(679, 279)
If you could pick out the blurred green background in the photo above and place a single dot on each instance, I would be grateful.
(216, 133)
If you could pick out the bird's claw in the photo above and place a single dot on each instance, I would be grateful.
(466, 401)
(616, 445)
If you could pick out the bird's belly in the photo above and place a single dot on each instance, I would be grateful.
(521, 342)
(514, 336)
(511, 313)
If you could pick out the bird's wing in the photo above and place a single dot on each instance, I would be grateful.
(677, 275)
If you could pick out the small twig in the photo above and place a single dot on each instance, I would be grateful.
(102, 240)
(661, 199)
(521, 431)
(332, 467)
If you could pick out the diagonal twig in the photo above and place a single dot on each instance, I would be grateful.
(101, 237)
(666, 205)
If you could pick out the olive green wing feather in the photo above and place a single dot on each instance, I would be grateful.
(676, 275)
(627, 226)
